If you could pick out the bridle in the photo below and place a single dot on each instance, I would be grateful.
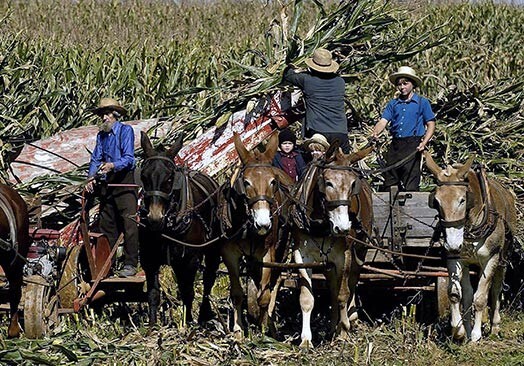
(239, 187)
(157, 193)
(454, 223)
(354, 191)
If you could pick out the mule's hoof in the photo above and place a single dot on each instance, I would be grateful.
(343, 335)
(459, 333)
(14, 331)
(239, 335)
(353, 317)
(495, 330)
(306, 344)
(476, 336)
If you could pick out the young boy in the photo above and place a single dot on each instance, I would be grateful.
(412, 123)
(317, 146)
(288, 159)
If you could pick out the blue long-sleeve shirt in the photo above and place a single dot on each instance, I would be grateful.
(408, 118)
(116, 146)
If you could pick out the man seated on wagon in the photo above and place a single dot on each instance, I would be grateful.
(412, 124)
(113, 162)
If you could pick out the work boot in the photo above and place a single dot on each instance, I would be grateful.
(127, 271)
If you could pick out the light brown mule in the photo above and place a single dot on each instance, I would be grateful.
(478, 218)
(252, 207)
(335, 209)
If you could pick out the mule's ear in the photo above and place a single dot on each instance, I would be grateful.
(243, 153)
(359, 155)
(271, 148)
(462, 172)
(333, 148)
(145, 142)
(432, 166)
(176, 146)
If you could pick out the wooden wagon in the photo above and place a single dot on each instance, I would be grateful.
(402, 256)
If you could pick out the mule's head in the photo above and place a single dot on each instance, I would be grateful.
(452, 198)
(340, 186)
(258, 183)
(160, 179)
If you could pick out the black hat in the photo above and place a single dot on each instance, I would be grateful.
(286, 135)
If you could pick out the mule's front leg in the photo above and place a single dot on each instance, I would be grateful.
(15, 277)
(212, 261)
(496, 289)
(480, 300)
(264, 296)
(307, 301)
(153, 292)
(185, 270)
(455, 296)
(231, 259)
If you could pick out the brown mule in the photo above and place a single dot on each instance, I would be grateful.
(334, 208)
(14, 233)
(478, 218)
(179, 203)
(250, 209)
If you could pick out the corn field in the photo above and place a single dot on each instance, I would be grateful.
(198, 61)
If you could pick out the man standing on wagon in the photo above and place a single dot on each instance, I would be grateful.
(324, 92)
(411, 124)
(113, 162)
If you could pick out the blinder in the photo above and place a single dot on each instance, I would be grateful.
(357, 186)
(470, 200)
(178, 179)
(432, 203)
(239, 187)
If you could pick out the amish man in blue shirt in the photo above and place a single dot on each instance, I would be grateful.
(412, 124)
(113, 161)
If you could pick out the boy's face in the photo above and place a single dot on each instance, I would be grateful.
(404, 86)
(287, 146)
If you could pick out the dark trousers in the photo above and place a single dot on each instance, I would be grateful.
(407, 175)
(331, 137)
(117, 208)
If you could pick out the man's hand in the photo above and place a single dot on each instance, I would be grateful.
(90, 186)
(421, 146)
(106, 168)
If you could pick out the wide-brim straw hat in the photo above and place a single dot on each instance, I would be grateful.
(317, 138)
(109, 104)
(405, 72)
(322, 61)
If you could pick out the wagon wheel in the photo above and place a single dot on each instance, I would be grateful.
(72, 284)
(40, 307)
(441, 291)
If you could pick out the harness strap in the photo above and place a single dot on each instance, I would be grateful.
(8, 210)
(262, 197)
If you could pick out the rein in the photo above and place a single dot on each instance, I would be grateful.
(368, 172)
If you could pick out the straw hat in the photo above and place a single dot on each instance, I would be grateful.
(109, 104)
(405, 72)
(322, 61)
(317, 138)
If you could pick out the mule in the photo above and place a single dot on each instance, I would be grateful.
(250, 210)
(333, 215)
(179, 228)
(14, 245)
(478, 218)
